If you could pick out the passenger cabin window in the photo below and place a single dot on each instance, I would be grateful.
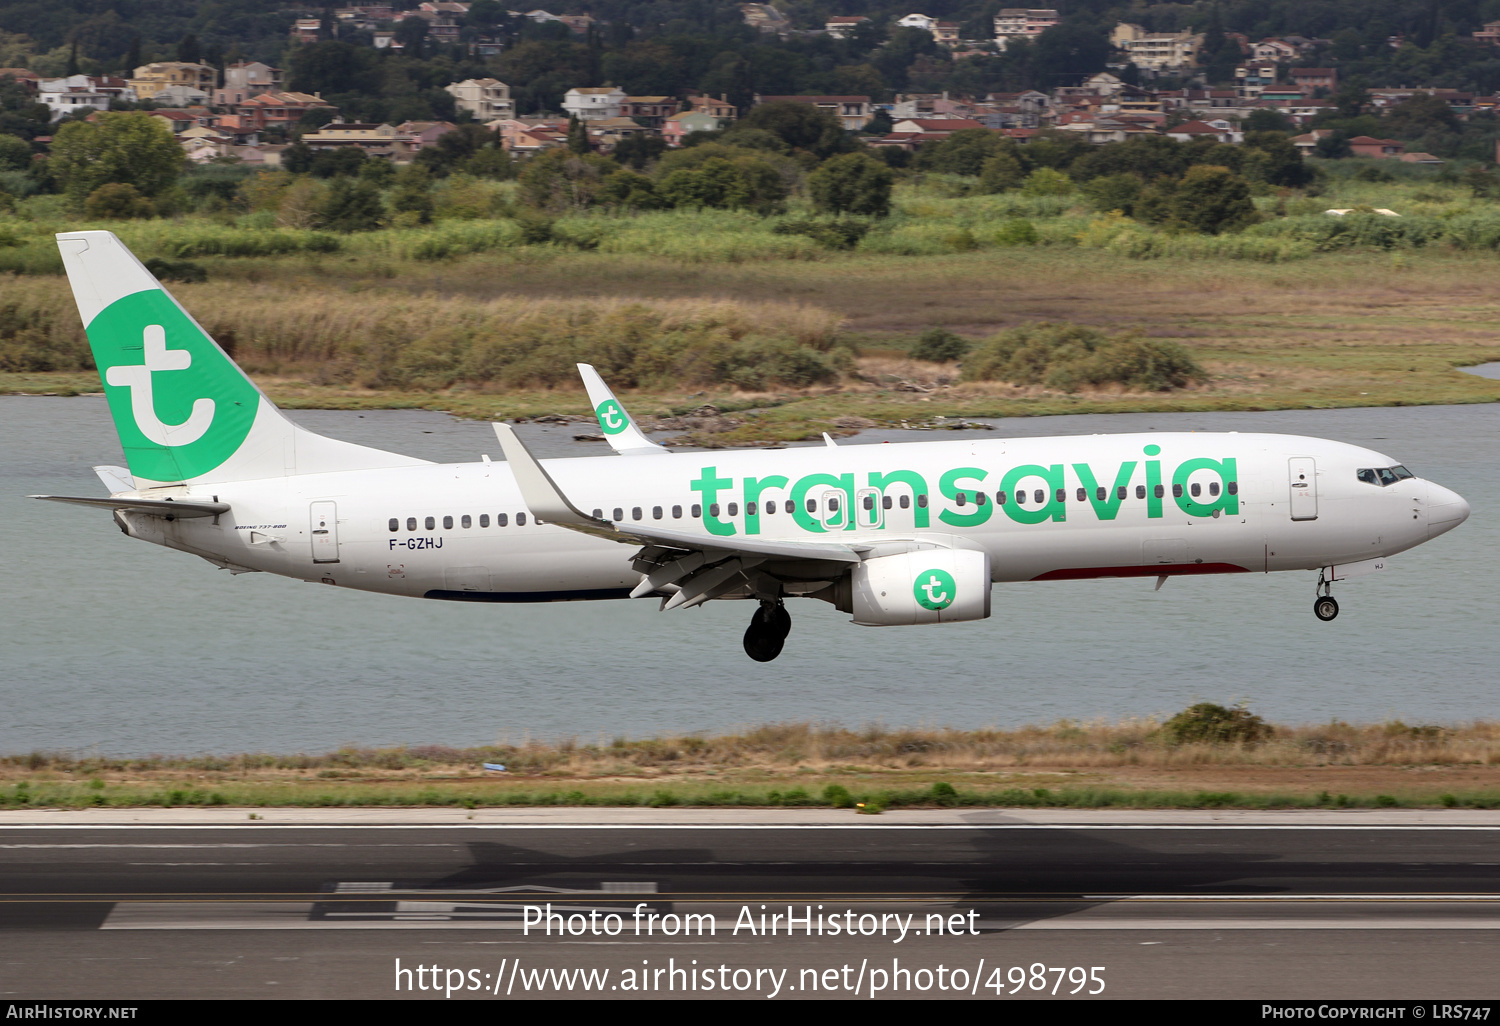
(749, 509)
(1000, 498)
(447, 523)
(1233, 488)
(1062, 495)
(1177, 491)
(1160, 491)
(395, 524)
(868, 502)
(431, 524)
(713, 509)
(1121, 493)
(959, 500)
(1020, 496)
(598, 514)
(789, 506)
(655, 512)
(979, 498)
(812, 505)
(619, 514)
(1213, 488)
(676, 512)
(635, 513)
(922, 501)
(411, 523)
(697, 511)
(484, 520)
(770, 506)
(906, 502)
(520, 519)
(467, 521)
(1140, 491)
(1083, 495)
(501, 520)
(734, 509)
(1195, 490)
(1039, 495)
(885, 502)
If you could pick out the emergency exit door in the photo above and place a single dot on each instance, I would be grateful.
(1303, 473)
(325, 532)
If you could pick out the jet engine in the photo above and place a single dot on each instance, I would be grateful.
(922, 586)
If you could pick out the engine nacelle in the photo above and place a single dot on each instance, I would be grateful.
(924, 586)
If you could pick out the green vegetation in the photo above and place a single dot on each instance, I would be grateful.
(1067, 357)
(1209, 756)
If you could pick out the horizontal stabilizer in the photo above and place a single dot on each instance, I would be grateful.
(172, 509)
(116, 479)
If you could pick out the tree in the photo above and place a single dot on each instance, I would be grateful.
(1212, 200)
(1001, 173)
(578, 137)
(638, 150)
(15, 153)
(1113, 192)
(964, 152)
(118, 201)
(413, 193)
(558, 180)
(800, 125)
(1264, 119)
(852, 184)
(1333, 147)
(411, 33)
(1272, 157)
(1412, 117)
(351, 206)
(125, 146)
(187, 49)
(1067, 53)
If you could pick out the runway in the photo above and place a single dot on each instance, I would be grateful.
(183, 904)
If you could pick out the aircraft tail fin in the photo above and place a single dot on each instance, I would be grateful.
(185, 412)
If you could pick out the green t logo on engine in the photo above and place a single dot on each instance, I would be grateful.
(935, 589)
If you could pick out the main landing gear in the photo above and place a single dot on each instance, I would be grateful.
(1325, 606)
(767, 631)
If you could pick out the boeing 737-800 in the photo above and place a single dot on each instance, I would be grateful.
(892, 534)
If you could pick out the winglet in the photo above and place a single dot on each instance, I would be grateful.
(619, 430)
(540, 493)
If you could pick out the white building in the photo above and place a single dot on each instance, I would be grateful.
(64, 96)
(486, 98)
(1023, 23)
(246, 79)
(594, 102)
(917, 21)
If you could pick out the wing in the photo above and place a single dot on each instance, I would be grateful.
(619, 429)
(701, 567)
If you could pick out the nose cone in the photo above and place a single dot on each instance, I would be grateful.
(1445, 510)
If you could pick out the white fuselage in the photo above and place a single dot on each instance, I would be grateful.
(1248, 503)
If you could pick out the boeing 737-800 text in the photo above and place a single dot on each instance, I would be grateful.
(891, 534)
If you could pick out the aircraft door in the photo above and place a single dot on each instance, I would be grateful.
(325, 532)
(1303, 472)
(867, 508)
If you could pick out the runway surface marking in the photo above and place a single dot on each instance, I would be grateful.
(1137, 912)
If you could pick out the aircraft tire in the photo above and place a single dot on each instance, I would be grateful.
(1326, 608)
(762, 644)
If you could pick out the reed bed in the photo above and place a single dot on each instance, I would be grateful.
(396, 339)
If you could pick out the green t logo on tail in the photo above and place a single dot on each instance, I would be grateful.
(611, 418)
(935, 589)
(181, 407)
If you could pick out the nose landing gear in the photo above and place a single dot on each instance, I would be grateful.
(767, 632)
(1325, 606)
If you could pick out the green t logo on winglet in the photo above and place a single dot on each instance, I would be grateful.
(935, 589)
(611, 418)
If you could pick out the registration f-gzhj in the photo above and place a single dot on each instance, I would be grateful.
(892, 534)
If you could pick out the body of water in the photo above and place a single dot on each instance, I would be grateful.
(118, 647)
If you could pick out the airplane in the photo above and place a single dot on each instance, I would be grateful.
(892, 534)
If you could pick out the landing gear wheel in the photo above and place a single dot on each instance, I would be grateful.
(767, 632)
(1326, 608)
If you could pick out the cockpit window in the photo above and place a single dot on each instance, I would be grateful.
(1383, 476)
